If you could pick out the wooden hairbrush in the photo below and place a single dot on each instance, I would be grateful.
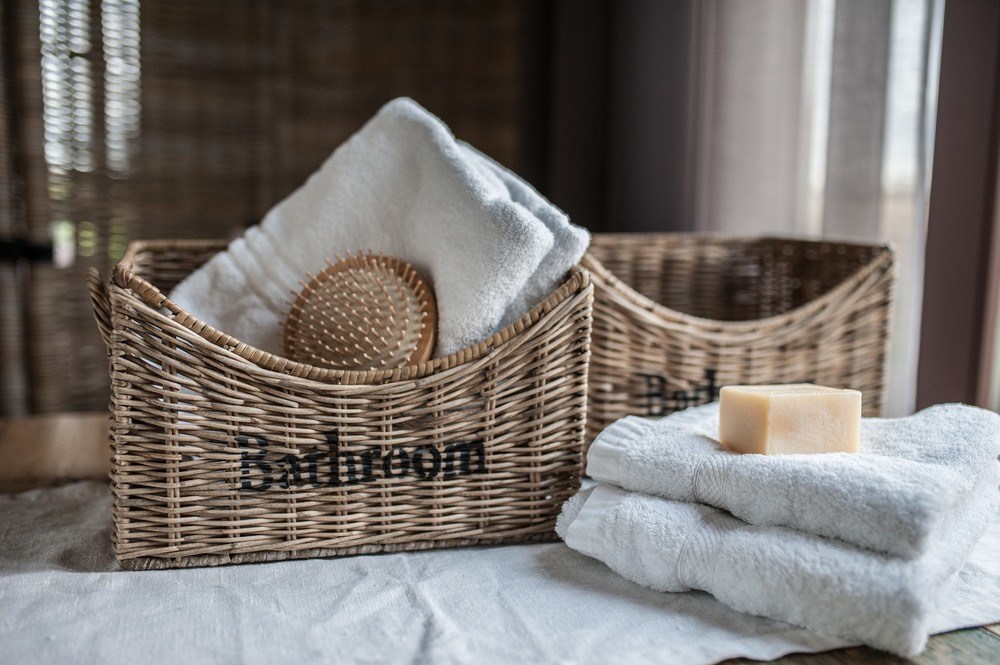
(362, 312)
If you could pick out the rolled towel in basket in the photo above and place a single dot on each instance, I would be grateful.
(895, 495)
(491, 246)
(825, 585)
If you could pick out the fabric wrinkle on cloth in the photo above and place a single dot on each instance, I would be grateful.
(488, 243)
(896, 495)
(65, 600)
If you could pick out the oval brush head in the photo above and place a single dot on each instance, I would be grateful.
(364, 312)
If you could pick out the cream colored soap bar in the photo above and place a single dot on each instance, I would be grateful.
(793, 418)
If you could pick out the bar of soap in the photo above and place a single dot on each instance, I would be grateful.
(792, 418)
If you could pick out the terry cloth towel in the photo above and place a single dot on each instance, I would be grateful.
(895, 495)
(825, 585)
(490, 245)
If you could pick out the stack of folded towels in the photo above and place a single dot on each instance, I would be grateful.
(856, 545)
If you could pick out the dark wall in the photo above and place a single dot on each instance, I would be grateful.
(622, 114)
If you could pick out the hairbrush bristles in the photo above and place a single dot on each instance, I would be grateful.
(362, 312)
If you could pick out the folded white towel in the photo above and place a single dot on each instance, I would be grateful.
(490, 245)
(895, 495)
(825, 585)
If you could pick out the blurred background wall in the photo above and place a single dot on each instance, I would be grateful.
(131, 119)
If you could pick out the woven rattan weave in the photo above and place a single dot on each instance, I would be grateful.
(223, 453)
(677, 316)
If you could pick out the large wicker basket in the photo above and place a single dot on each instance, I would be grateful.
(676, 316)
(223, 453)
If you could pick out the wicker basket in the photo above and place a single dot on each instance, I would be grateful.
(223, 453)
(676, 316)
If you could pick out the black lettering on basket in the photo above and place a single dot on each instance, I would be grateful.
(248, 461)
(261, 470)
(656, 394)
(464, 453)
(350, 465)
(368, 459)
(290, 468)
(658, 401)
(312, 464)
(418, 462)
(404, 463)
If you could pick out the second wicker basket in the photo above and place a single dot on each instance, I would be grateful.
(676, 316)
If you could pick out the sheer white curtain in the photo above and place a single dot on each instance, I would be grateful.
(816, 119)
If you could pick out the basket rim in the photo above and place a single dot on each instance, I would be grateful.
(123, 276)
(662, 316)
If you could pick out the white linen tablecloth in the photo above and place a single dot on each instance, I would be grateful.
(63, 599)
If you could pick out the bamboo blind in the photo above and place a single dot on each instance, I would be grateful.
(188, 119)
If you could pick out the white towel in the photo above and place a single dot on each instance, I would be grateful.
(896, 495)
(825, 585)
(490, 245)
